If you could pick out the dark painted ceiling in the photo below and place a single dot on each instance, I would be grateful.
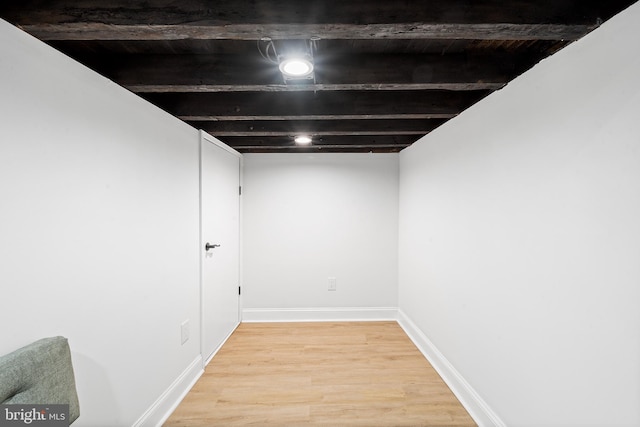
(386, 72)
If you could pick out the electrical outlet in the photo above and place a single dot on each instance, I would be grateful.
(184, 329)
(332, 283)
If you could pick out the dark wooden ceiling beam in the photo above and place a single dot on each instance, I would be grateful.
(363, 131)
(206, 12)
(407, 31)
(320, 105)
(380, 116)
(182, 88)
(324, 149)
(250, 73)
(323, 141)
(327, 148)
(318, 127)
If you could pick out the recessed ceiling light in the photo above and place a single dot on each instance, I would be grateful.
(296, 67)
(303, 139)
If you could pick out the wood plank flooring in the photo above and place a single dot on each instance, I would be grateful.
(321, 373)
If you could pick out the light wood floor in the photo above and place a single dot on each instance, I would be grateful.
(333, 374)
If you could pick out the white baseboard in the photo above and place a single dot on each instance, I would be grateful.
(481, 413)
(162, 408)
(326, 314)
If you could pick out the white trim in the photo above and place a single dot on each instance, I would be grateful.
(205, 137)
(320, 314)
(212, 139)
(162, 408)
(200, 245)
(479, 410)
(241, 237)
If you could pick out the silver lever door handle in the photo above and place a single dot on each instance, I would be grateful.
(210, 246)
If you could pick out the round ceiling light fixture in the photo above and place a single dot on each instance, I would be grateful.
(296, 67)
(303, 139)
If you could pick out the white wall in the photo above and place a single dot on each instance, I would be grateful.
(99, 228)
(308, 217)
(520, 237)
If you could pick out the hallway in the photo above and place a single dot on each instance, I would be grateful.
(323, 373)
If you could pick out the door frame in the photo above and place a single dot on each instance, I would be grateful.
(204, 137)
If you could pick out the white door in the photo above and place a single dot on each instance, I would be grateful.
(220, 240)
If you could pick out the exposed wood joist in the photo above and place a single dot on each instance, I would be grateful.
(379, 143)
(320, 105)
(251, 73)
(294, 117)
(292, 19)
(319, 127)
(204, 12)
(182, 88)
(332, 148)
(412, 30)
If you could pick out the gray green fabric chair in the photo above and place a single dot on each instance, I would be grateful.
(40, 374)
